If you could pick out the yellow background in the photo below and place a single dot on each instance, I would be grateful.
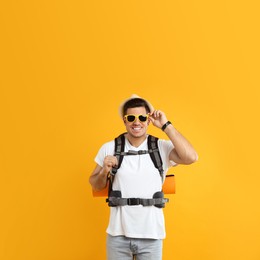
(65, 67)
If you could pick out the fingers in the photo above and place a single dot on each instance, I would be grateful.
(158, 118)
(156, 114)
(110, 161)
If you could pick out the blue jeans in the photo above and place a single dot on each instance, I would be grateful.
(125, 248)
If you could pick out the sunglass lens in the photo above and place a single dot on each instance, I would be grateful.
(130, 118)
(142, 118)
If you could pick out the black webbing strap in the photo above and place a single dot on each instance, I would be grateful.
(119, 149)
(132, 152)
(115, 201)
(155, 154)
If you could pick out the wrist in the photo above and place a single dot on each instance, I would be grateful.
(165, 125)
(104, 172)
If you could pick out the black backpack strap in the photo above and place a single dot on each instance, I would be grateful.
(158, 200)
(155, 154)
(118, 153)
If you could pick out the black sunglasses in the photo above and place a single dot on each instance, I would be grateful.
(132, 118)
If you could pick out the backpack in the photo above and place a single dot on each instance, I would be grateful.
(114, 197)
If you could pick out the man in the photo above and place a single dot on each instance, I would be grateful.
(136, 231)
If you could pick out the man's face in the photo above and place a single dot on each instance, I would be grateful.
(136, 128)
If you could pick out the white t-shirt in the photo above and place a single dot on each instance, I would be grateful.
(137, 178)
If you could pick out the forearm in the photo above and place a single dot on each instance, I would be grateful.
(183, 152)
(98, 179)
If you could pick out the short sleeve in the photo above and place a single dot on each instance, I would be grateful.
(106, 149)
(166, 147)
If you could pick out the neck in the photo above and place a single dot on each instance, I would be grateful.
(135, 141)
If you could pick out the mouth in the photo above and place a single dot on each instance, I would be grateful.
(137, 129)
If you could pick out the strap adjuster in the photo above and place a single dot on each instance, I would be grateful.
(133, 201)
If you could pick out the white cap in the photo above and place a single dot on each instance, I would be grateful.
(121, 107)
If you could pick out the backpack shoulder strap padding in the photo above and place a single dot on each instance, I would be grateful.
(119, 149)
(155, 154)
